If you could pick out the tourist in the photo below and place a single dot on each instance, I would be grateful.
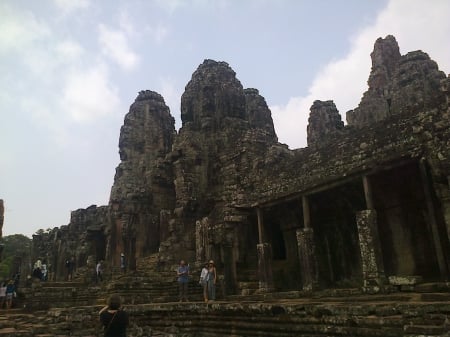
(99, 272)
(70, 266)
(203, 283)
(122, 263)
(10, 290)
(38, 264)
(37, 273)
(44, 272)
(113, 318)
(2, 294)
(183, 280)
(16, 281)
(211, 281)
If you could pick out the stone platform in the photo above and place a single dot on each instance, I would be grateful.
(332, 313)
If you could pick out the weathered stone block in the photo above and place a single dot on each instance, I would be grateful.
(404, 280)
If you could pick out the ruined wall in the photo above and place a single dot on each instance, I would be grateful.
(84, 239)
(417, 126)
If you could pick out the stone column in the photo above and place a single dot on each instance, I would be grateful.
(370, 246)
(307, 257)
(432, 221)
(259, 214)
(264, 250)
(368, 193)
(306, 213)
(199, 243)
(265, 267)
(129, 240)
(229, 262)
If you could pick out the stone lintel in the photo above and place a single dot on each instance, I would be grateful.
(234, 218)
(404, 280)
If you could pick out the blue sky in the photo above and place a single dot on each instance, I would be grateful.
(70, 69)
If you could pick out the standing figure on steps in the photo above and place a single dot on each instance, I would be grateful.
(211, 281)
(203, 281)
(99, 272)
(70, 266)
(183, 280)
(122, 263)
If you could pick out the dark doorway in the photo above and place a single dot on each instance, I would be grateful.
(336, 234)
(281, 222)
(405, 234)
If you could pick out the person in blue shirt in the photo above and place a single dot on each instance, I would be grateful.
(10, 290)
(183, 280)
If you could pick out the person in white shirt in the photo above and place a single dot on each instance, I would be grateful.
(203, 281)
(99, 271)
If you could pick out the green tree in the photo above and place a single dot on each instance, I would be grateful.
(13, 245)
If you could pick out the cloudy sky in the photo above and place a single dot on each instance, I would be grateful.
(70, 69)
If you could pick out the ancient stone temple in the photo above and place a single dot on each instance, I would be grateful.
(362, 205)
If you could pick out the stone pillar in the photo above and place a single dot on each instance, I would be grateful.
(129, 240)
(202, 241)
(368, 193)
(264, 250)
(307, 256)
(306, 213)
(265, 267)
(199, 243)
(259, 214)
(229, 262)
(432, 221)
(370, 246)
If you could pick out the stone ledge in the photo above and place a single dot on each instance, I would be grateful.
(404, 280)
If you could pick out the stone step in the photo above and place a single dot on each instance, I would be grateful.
(428, 330)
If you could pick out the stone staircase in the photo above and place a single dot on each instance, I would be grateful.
(59, 309)
(248, 283)
(387, 315)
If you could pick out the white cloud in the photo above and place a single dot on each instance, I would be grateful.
(69, 50)
(172, 96)
(68, 6)
(170, 5)
(19, 29)
(114, 44)
(415, 24)
(88, 95)
(158, 32)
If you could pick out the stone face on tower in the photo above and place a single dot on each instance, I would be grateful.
(397, 84)
(323, 120)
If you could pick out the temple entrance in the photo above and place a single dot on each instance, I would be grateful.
(280, 224)
(336, 235)
(98, 240)
(405, 228)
